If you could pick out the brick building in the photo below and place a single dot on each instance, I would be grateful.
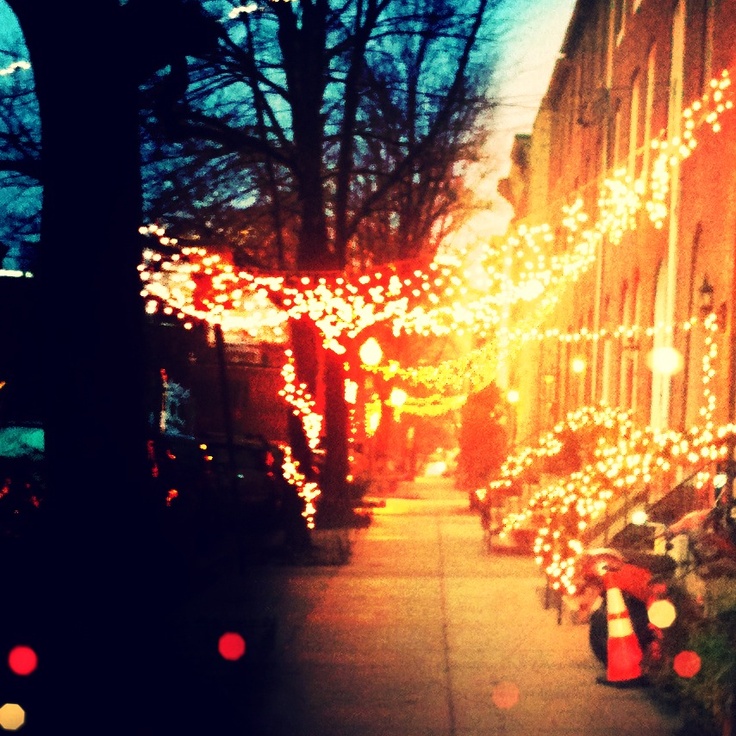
(630, 195)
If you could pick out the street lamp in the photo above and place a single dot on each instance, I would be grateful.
(397, 398)
(370, 352)
(371, 355)
(706, 297)
(665, 360)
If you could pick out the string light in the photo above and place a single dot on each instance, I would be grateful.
(301, 401)
(440, 300)
(624, 458)
(308, 491)
(425, 302)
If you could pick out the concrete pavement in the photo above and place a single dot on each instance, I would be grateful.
(423, 633)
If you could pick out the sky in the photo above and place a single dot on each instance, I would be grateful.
(533, 31)
(536, 29)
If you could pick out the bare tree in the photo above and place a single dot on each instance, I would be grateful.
(20, 169)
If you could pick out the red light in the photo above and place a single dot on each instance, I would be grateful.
(686, 664)
(22, 660)
(231, 646)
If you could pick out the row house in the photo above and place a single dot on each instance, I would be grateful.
(631, 201)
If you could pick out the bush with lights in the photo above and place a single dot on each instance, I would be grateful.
(697, 669)
(617, 460)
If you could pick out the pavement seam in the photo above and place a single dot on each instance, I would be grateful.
(445, 632)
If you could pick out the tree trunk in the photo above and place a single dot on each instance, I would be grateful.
(336, 505)
(96, 602)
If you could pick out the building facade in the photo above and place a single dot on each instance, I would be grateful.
(631, 189)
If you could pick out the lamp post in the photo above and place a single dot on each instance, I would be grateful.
(396, 399)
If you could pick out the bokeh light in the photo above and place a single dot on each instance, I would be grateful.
(12, 717)
(662, 613)
(398, 397)
(665, 360)
(231, 646)
(686, 663)
(22, 660)
(505, 695)
(639, 517)
(578, 364)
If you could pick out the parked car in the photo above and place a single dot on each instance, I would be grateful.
(178, 464)
(250, 477)
(253, 475)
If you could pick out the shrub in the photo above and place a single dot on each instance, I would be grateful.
(706, 698)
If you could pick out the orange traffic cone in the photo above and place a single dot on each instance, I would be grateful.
(624, 651)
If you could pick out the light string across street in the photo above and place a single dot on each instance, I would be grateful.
(439, 299)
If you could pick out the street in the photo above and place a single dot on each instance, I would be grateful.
(422, 633)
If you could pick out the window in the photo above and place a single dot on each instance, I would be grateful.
(616, 153)
(629, 348)
(710, 13)
(634, 125)
(648, 108)
(619, 19)
(677, 71)
(660, 397)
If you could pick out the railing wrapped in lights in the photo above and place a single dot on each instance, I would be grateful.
(564, 509)
(623, 457)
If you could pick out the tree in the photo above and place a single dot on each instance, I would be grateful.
(319, 122)
(92, 583)
(20, 171)
(325, 135)
(483, 438)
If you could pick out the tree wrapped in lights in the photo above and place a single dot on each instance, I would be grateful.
(483, 440)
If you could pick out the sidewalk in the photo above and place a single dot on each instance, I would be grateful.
(422, 633)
